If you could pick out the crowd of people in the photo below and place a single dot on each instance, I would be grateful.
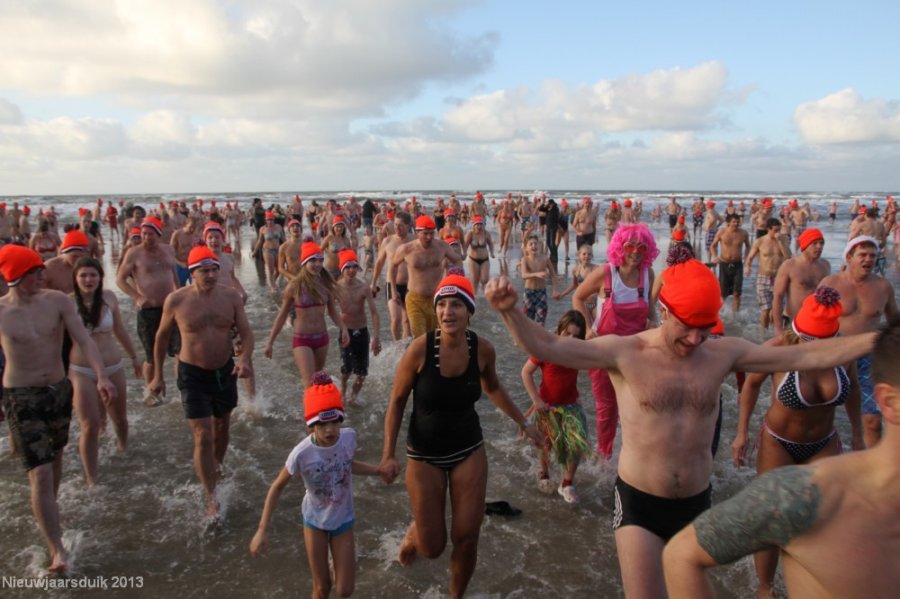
(651, 341)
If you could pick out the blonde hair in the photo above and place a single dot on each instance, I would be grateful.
(305, 280)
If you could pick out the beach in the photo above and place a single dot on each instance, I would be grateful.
(144, 522)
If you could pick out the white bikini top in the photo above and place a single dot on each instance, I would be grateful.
(106, 321)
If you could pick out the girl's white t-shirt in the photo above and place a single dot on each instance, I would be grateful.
(326, 473)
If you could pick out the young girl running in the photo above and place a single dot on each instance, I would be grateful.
(309, 294)
(557, 413)
(324, 460)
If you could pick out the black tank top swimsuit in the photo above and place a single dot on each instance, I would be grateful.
(444, 428)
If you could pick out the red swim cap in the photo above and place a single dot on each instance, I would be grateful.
(424, 223)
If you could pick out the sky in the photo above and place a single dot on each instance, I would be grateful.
(204, 96)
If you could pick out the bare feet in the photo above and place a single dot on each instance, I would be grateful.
(58, 561)
(408, 547)
(212, 509)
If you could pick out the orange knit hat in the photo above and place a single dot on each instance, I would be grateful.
(212, 226)
(347, 258)
(136, 232)
(691, 293)
(16, 261)
(425, 223)
(819, 315)
(74, 240)
(456, 286)
(322, 400)
(201, 256)
(310, 250)
(151, 222)
(809, 237)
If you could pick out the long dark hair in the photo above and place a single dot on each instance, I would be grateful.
(89, 316)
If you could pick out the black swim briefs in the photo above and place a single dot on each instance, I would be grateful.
(662, 516)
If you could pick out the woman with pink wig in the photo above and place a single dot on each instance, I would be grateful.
(623, 285)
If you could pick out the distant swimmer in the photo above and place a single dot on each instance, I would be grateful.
(834, 522)
(729, 249)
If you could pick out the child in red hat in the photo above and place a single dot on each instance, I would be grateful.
(324, 460)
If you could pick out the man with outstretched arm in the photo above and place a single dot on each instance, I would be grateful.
(835, 521)
(668, 419)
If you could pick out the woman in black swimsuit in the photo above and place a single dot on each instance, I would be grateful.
(446, 370)
(479, 243)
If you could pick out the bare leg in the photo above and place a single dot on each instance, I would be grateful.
(357, 386)
(87, 406)
(205, 460)
(303, 357)
(221, 438)
(118, 411)
(468, 486)
(427, 488)
(46, 510)
(316, 543)
(640, 562)
(343, 550)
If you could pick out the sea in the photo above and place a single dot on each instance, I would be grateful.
(142, 531)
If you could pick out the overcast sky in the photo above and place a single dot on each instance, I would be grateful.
(141, 96)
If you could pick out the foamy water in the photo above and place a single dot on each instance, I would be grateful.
(145, 519)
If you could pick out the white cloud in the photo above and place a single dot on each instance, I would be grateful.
(845, 117)
(263, 58)
(10, 114)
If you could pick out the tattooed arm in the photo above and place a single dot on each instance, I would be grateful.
(769, 512)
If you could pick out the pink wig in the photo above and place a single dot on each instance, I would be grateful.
(615, 253)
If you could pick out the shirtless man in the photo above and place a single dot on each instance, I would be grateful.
(835, 521)
(673, 209)
(799, 218)
(668, 419)
(868, 224)
(397, 275)
(612, 218)
(423, 257)
(761, 218)
(866, 297)
(152, 265)
(59, 269)
(37, 398)
(585, 224)
(524, 211)
(772, 254)
(205, 313)
(355, 297)
(183, 240)
(711, 222)
(798, 277)
(697, 212)
(735, 245)
(289, 252)
(7, 224)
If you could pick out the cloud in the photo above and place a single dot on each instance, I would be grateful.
(260, 59)
(845, 117)
(10, 114)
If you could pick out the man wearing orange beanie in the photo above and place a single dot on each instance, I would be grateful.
(205, 313)
(75, 246)
(423, 258)
(38, 397)
(667, 382)
(797, 278)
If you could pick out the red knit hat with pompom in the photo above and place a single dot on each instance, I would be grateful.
(322, 400)
(819, 315)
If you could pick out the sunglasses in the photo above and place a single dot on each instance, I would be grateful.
(631, 247)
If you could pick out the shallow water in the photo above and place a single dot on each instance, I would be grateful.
(145, 519)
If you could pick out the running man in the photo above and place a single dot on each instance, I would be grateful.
(797, 278)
